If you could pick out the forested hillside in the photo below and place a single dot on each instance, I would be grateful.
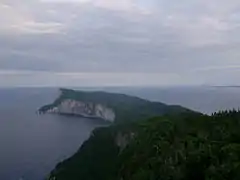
(126, 108)
(181, 147)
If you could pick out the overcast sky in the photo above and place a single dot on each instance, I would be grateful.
(119, 42)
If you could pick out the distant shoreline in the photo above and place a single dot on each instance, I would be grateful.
(226, 86)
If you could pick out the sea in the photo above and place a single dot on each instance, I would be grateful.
(31, 144)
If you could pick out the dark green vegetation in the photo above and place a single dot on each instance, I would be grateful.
(179, 147)
(126, 108)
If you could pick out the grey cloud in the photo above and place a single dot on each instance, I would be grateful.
(169, 37)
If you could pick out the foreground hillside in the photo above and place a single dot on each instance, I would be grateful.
(181, 147)
(108, 106)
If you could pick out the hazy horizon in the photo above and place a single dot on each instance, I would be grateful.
(119, 43)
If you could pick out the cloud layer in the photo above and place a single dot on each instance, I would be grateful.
(169, 42)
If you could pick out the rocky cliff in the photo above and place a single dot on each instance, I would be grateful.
(85, 109)
(110, 107)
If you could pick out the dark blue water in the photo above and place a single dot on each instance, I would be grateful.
(31, 145)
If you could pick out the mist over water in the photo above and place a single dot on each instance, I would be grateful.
(31, 144)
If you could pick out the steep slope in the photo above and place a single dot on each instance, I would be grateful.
(108, 106)
(183, 147)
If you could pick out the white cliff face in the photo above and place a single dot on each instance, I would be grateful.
(123, 139)
(88, 109)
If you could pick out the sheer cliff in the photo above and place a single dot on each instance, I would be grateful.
(108, 106)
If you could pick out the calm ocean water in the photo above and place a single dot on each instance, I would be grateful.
(31, 144)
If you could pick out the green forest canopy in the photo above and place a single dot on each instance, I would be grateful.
(179, 147)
